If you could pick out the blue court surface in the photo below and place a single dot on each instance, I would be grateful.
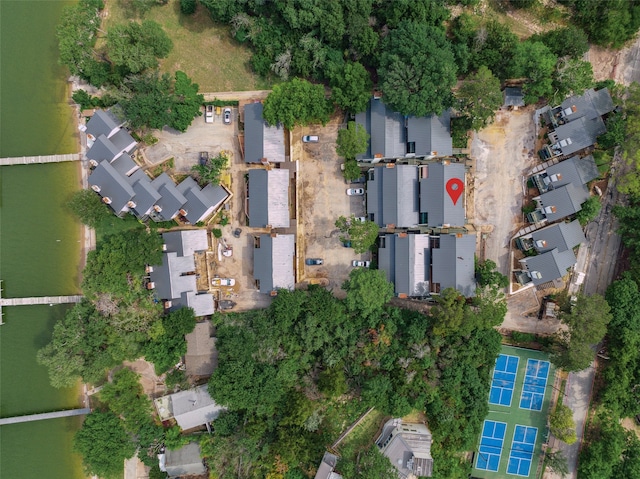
(522, 446)
(491, 445)
(504, 379)
(535, 383)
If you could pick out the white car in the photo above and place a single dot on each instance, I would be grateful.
(223, 282)
(208, 115)
(355, 191)
(227, 116)
(360, 219)
(362, 264)
(310, 139)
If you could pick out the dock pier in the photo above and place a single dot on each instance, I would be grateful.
(50, 300)
(46, 415)
(30, 160)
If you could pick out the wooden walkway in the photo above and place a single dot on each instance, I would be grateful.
(40, 300)
(30, 160)
(47, 415)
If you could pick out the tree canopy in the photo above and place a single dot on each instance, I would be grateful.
(479, 97)
(417, 69)
(296, 102)
(362, 234)
(351, 86)
(562, 425)
(137, 46)
(88, 207)
(211, 171)
(352, 140)
(166, 348)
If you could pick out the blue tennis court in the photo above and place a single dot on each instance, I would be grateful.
(504, 379)
(491, 445)
(522, 446)
(535, 383)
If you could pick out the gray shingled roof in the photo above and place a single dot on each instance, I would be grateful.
(103, 149)
(431, 134)
(574, 170)
(513, 97)
(408, 447)
(125, 165)
(273, 262)
(562, 236)
(405, 259)
(434, 199)
(326, 467)
(200, 204)
(260, 139)
(171, 200)
(202, 356)
(186, 242)
(201, 303)
(146, 195)
(184, 461)
(103, 122)
(123, 141)
(563, 201)
(194, 407)
(551, 265)
(171, 279)
(453, 263)
(112, 185)
(269, 198)
(590, 104)
(579, 134)
(392, 196)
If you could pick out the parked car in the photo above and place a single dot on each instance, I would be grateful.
(310, 139)
(362, 264)
(237, 232)
(204, 158)
(355, 191)
(227, 116)
(313, 261)
(208, 115)
(346, 243)
(360, 219)
(225, 304)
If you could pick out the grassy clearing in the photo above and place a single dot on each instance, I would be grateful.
(364, 433)
(202, 49)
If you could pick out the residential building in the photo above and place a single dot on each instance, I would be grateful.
(273, 262)
(327, 466)
(202, 356)
(185, 461)
(576, 170)
(392, 195)
(391, 135)
(262, 143)
(191, 408)
(269, 198)
(442, 198)
(201, 203)
(420, 264)
(577, 122)
(102, 122)
(408, 448)
(175, 280)
(171, 200)
(114, 189)
(559, 203)
(554, 245)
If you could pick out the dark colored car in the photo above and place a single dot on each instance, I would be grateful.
(313, 261)
(226, 304)
(204, 158)
(346, 243)
(237, 232)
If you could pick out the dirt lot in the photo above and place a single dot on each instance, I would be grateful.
(185, 147)
(322, 200)
(503, 153)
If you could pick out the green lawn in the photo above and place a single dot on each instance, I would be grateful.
(202, 49)
(513, 416)
(363, 434)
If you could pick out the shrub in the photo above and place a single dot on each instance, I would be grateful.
(217, 233)
(188, 7)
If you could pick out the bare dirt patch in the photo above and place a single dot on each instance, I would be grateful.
(503, 153)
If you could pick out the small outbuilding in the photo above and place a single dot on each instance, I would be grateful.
(513, 98)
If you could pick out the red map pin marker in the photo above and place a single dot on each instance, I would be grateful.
(455, 186)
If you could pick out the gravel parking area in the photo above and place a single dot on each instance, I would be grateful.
(323, 199)
(185, 147)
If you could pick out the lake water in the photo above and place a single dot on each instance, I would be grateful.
(39, 240)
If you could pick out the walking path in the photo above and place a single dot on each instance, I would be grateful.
(47, 415)
(30, 160)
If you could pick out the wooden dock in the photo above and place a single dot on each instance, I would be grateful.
(50, 300)
(30, 160)
(47, 415)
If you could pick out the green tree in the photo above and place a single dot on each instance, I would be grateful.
(372, 465)
(126, 398)
(173, 438)
(296, 102)
(166, 350)
(586, 326)
(211, 171)
(186, 102)
(352, 140)
(104, 444)
(603, 449)
(572, 77)
(616, 131)
(479, 97)
(487, 274)
(569, 41)
(562, 425)
(534, 61)
(362, 234)
(350, 86)
(557, 462)
(137, 46)
(367, 292)
(88, 207)
(188, 7)
(417, 69)
(351, 170)
(146, 100)
(609, 24)
(589, 210)
(493, 45)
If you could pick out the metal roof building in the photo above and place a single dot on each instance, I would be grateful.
(406, 260)
(408, 448)
(452, 264)
(186, 242)
(103, 149)
(563, 201)
(191, 408)
(392, 195)
(171, 199)
(125, 165)
(560, 236)
(201, 203)
(437, 205)
(548, 266)
(261, 140)
(273, 262)
(202, 356)
(576, 170)
(103, 122)
(112, 187)
(269, 198)
(513, 97)
(185, 461)
(430, 135)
